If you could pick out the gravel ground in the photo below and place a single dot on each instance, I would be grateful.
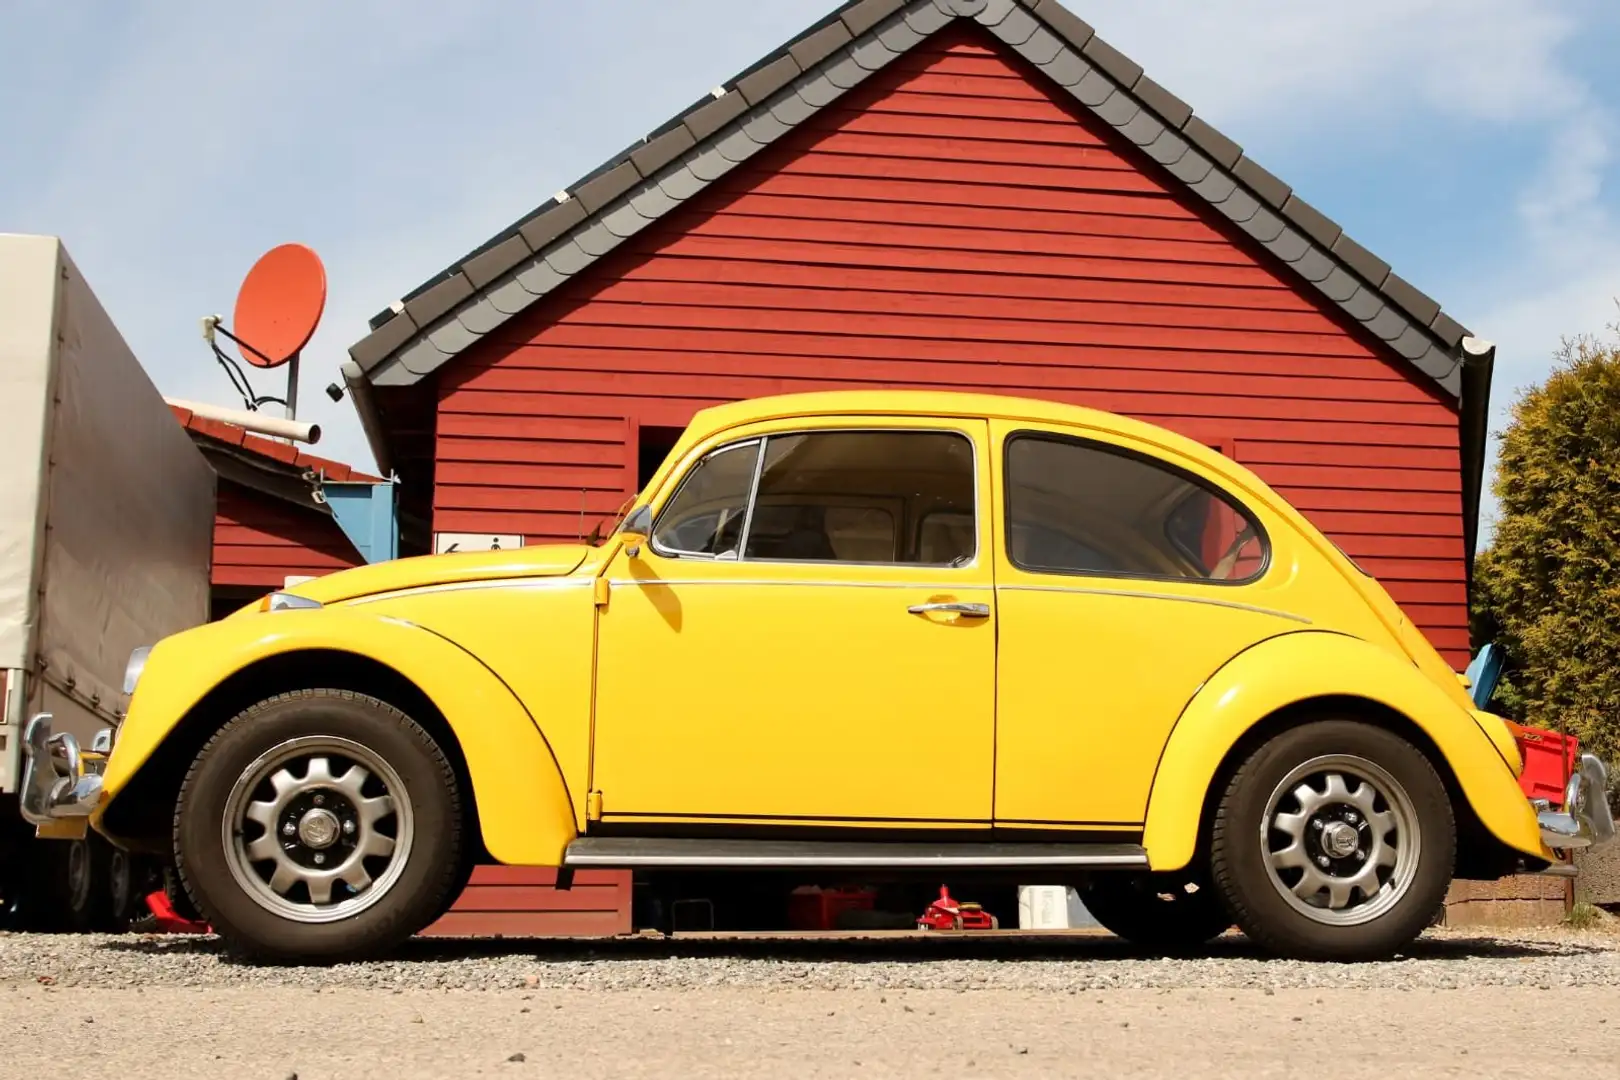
(1457, 1005)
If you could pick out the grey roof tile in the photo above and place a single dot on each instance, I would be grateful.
(662, 149)
(1289, 246)
(1448, 330)
(843, 71)
(546, 226)
(1065, 23)
(493, 262)
(1191, 167)
(1317, 225)
(1217, 187)
(680, 183)
(1122, 68)
(1362, 261)
(817, 89)
(1175, 112)
(1415, 301)
(1223, 151)
(764, 128)
(483, 316)
(1339, 286)
(758, 86)
(1390, 323)
(1364, 304)
(540, 278)
(426, 307)
(568, 258)
(376, 346)
(815, 47)
(652, 201)
(1066, 68)
(1144, 128)
(1119, 110)
(625, 220)
(1436, 364)
(967, 9)
(421, 357)
(737, 146)
(1314, 265)
(1240, 206)
(710, 117)
(1094, 88)
(708, 164)
(1413, 342)
(925, 19)
(510, 297)
(994, 11)
(1042, 47)
(792, 109)
(861, 17)
(451, 336)
(1260, 181)
(1016, 28)
(596, 239)
(872, 54)
(1264, 225)
(1168, 149)
(394, 373)
(898, 37)
(599, 191)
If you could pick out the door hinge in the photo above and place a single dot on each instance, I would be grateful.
(593, 806)
(602, 588)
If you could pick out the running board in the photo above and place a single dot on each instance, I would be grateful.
(685, 853)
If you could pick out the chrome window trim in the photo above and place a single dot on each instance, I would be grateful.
(764, 440)
(1134, 594)
(676, 553)
(1116, 450)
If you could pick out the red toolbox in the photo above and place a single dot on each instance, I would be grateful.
(813, 908)
(1549, 759)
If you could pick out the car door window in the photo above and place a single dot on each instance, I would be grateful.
(705, 517)
(845, 496)
(1076, 507)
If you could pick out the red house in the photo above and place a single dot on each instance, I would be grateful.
(960, 194)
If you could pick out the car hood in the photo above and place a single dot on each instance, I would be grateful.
(551, 560)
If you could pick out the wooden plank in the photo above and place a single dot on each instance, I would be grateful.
(530, 924)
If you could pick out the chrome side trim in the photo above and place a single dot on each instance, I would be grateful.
(1586, 820)
(564, 581)
(1137, 595)
(954, 586)
(633, 852)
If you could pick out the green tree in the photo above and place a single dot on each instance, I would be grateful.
(1548, 587)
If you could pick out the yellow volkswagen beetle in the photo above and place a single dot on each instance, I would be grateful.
(844, 636)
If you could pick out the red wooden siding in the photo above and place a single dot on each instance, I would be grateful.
(523, 901)
(260, 540)
(953, 225)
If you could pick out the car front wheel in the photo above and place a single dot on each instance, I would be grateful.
(318, 826)
(1334, 841)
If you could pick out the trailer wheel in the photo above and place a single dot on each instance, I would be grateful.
(89, 884)
(318, 826)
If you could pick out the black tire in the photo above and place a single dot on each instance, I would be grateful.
(1157, 911)
(417, 890)
(89, 885)
(1241, 858)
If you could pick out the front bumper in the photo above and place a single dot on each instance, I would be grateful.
(61, 782)
(1585, 820)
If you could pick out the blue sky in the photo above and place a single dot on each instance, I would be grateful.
(1469, 142)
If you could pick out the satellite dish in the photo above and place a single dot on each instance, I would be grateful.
(279, 305)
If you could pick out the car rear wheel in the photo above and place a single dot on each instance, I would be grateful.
(1156, 912)
(318, 826)
(1334, 841)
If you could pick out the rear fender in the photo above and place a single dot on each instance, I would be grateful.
(1294, 669)
(523, 803)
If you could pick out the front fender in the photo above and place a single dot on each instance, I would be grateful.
(523, 802)
(1297, 667)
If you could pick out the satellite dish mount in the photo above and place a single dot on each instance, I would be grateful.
(277, 310)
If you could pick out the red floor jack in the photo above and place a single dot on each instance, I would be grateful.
(165, 920)
(949, 914)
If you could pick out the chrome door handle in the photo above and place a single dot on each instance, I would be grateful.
(967, 611)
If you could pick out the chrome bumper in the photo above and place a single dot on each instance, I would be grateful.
(60, 781)
(1585, 820)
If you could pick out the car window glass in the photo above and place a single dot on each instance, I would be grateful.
(706, 515)
(845, 496)
(1080, 508)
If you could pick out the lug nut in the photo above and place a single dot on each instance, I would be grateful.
(1361, 856)
(288, 829)
(1316, 823)
(348, 828)
(319, 799)
(1350, 816)
(319, 859)
(1321, 860)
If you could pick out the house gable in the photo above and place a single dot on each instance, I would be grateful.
(957, 222)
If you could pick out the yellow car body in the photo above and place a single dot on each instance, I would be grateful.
(586, 687)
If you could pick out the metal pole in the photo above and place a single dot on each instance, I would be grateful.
(292, 387)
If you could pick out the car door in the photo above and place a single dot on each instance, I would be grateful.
(1123, 581)
(785, 647)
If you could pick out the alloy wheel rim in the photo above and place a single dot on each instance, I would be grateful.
(318, 829)
(1340, 840)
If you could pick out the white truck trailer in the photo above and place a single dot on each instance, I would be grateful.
(106, 530)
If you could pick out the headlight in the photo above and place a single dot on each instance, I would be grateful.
(136, 665)
(281, 601)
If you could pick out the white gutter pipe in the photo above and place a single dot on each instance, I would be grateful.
(256, 422)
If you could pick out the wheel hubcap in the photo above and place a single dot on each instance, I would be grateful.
(318, 829)
(1341, 840)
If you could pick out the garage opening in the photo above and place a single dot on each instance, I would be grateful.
(653, 445)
